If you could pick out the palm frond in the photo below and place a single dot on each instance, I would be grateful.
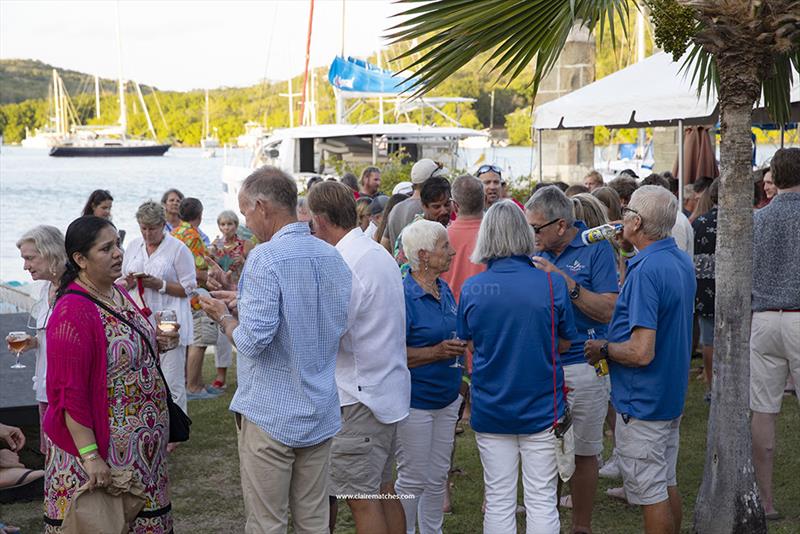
(777, 87)
(452, 32)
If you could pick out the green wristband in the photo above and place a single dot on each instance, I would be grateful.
(88, 448)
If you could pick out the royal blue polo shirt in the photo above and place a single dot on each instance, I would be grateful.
(658, 294)
(506, 312)
(593, 267)
(429, 322)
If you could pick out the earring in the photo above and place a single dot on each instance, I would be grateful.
(426, 265)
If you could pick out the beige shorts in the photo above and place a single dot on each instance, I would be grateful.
(205, 330)
(588, 401)
(647, 452)
(362, 453)
(774, 354)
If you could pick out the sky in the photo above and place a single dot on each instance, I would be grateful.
(191, 44)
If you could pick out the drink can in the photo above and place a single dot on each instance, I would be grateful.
(601, 367)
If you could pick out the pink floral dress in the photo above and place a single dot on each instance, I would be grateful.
(139, 424)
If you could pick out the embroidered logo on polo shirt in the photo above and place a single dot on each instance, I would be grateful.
(575, 266)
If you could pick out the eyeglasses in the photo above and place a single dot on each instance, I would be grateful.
(626, 209)
(483, 169)
(537, 229)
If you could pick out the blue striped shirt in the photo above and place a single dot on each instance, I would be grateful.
(294, 294)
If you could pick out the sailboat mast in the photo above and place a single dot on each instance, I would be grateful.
(57, 102)
(123, 113)
(144, 108)
(96, 96)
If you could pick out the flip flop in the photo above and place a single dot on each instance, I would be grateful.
(9, 528)
(23, 491)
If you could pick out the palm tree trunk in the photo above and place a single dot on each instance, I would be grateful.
(728, 501)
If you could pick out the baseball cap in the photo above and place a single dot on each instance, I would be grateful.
(426, 168)
(378, 204)
(404, 188)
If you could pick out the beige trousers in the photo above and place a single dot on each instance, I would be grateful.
(276, 478)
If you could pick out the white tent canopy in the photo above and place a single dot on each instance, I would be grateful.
(652, 92)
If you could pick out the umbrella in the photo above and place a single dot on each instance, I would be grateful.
(699, 158)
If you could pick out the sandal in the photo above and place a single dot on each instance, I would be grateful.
(8, 529)
(23, 491)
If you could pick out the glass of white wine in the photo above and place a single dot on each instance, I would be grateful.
(457, 363)
(17, 342)
(167, 321)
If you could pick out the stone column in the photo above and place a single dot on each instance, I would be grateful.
(568, 154)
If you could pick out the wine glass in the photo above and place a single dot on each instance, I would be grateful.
(457, 363)
(167, 321)
(17, 342)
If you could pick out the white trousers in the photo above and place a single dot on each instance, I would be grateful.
(424, 443)
(223, 351)
(173, 365)
(500, 456)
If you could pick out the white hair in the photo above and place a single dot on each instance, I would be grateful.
(421, 235)
(504, 232)
(657, 208)
(49, 242)
(552, 203)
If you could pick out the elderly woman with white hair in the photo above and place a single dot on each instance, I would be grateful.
(42, 251)
(425, 437)
(517, 319)
(163, 268)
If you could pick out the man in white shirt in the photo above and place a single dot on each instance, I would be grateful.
(371, 371)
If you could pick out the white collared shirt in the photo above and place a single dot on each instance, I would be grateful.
(371, 366)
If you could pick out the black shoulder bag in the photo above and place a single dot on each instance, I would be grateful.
(179, 422)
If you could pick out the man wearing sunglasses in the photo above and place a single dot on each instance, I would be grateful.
(491, 177)
(591, 277)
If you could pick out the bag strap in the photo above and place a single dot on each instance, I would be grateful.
(553, 350)
(144, 337)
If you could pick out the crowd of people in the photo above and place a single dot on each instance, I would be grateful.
(366, 326)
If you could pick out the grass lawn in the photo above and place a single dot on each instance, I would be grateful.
(207, 497)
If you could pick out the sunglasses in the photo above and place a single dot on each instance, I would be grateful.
(439, 166)
(537, 229)
(483, 169)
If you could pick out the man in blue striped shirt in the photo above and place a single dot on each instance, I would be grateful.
(293, 298)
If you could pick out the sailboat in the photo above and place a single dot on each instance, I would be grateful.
(110, 141)
(209, 142)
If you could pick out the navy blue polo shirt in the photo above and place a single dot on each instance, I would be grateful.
(593, 267)
(429, 322)
(506, 312)
(658, 294)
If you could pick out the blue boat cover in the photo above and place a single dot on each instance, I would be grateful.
(356, 75)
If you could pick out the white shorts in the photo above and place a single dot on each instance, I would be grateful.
(588, 401)
(774, 353)
(647, 454)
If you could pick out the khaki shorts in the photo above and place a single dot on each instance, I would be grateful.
(647, 452)
(362, 453)
(774, 354)
(588, 401)
(205, 330)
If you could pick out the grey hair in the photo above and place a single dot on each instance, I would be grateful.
(504, 232)
(552, 203)
(421, 235)
(468, 193)
(273, 185)
(229, 216)
(49, 242)
(151, 213)
(657, 208)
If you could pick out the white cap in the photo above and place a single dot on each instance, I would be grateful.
(424, 169)
(403, 188)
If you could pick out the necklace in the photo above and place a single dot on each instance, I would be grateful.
(432, 288)
(110, 300)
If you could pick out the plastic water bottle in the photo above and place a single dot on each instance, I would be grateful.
(601, 367)
(605, 232)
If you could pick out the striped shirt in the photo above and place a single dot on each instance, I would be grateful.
(294, 294)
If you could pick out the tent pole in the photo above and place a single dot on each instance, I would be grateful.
(681, 178)
(539, 154)
(783, 129)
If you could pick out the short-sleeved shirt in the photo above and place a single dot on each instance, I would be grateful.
(776, 240)
(190, 237)
(463, 233)
(506, 311)
(705, 245)
(593, 267)
(401, 215)
(429, 322)
(658, 294)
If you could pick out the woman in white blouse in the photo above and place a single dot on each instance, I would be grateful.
(169, 278)
(42, 250)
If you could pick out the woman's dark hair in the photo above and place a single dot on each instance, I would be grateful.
(97, 196)
(80, 237)
(191, 209)
(394, 200)
(166, 195)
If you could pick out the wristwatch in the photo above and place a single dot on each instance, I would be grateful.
(604, 350)
(575, 292)
(163, 287)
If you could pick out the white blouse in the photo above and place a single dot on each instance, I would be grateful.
(40, 313)
(172, 261)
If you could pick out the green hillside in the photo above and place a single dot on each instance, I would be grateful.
(24, 79)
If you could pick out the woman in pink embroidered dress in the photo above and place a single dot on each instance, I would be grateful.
(108, 405)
